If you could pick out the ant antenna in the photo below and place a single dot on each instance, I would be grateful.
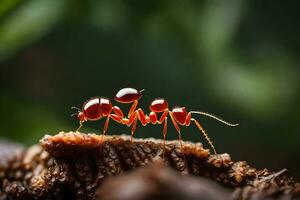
(142, 90)
(214, 117)
(74, 114)
(74, 107)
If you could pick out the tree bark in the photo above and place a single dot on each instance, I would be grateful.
(75, 166)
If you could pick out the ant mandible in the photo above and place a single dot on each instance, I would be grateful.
(99, 107)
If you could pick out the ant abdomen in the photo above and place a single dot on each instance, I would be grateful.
(96, 108)
(91, 109)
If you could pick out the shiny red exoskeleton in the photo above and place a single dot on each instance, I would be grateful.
(97, 108)
(100, 107)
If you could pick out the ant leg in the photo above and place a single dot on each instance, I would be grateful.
(163, 116)
(131, 119)
(116, 118)
(174, 122)
(104, 130)
(142, 117)
(133, 128)
(165, 135)
(118, 111)
(179, 135)
(165, 131)
(106, 124)
(204, 134)
(188, 119)
(132, 109)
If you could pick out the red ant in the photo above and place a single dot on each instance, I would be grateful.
(99, 107)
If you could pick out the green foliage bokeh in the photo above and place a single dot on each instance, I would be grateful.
(238, 59)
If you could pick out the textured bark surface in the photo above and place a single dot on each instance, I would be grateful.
(160, 182)
(74, 166)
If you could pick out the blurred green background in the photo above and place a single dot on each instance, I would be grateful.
(238, 59)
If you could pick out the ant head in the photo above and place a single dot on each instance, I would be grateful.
(79, 114)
